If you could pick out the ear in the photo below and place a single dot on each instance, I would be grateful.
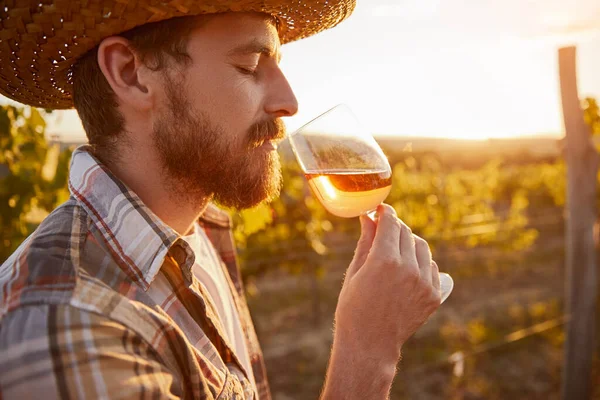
(124, 72)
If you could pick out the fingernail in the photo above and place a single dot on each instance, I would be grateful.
(372, 215)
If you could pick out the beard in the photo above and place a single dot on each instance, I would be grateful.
(200, 160)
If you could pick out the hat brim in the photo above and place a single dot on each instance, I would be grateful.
(40, 43)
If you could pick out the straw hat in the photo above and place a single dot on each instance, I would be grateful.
(41, 39)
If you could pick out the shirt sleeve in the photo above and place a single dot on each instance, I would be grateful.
(59, 351)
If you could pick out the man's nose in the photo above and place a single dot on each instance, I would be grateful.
(282, 101)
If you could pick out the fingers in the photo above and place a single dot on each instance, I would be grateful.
(435, 277)
(407, 244)
(394, 243)
(423, 256)
(387, 237)
(363, 247)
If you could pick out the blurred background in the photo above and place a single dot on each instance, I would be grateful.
(464, 98)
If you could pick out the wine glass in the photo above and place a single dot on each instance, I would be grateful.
(346, 169)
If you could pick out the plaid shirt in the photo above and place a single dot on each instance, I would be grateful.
(100, 302)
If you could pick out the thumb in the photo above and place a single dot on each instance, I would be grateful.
(367, 234)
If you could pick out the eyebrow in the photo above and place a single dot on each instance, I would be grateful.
(256, 47)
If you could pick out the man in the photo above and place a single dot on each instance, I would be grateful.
(130, 289)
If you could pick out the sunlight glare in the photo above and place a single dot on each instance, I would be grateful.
(330, 191)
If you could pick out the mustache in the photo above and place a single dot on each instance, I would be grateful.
(260, 132)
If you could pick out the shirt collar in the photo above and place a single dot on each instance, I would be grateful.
(214, 215)
(137, 239)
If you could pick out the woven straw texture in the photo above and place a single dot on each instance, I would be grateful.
(41, 39)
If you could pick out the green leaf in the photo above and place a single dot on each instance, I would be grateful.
(5, 123)
(256, 219)
(36, 121)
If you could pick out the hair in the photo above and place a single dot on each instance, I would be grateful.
(157, 44)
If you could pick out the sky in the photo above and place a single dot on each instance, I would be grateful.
(470, 69)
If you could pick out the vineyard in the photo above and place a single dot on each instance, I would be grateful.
(495, 222)
(496, 225)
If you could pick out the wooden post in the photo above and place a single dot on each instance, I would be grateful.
(581, 279)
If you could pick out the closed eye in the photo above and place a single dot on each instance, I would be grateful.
(247, 70)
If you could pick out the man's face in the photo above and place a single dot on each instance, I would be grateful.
(218, 115)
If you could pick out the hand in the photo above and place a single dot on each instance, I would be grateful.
(391, 287)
